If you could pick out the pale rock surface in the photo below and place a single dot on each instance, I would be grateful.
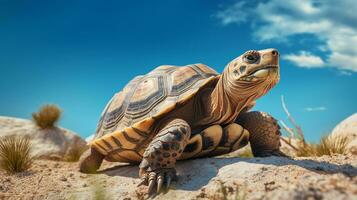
(52, 143)
(348, 128)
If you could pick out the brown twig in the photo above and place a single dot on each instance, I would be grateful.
(292, 120)
(289, 143)
(288, 129)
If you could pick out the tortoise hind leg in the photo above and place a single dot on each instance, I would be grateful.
(158, 165)
(264, 133)
(90, 161)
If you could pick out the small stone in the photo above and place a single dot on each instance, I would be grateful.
(264, 169)
(83, 176)
(71, 175)
(63, 178)
(85, 185)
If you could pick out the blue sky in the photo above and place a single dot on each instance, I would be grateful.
(78, 53)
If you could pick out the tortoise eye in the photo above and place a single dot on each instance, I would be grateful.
(251, 58)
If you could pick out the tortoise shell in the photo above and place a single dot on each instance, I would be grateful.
(129, 117)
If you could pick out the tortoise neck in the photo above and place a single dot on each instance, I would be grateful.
(222, 107)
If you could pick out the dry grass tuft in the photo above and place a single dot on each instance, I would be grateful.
(245, 152)
(47, 116)
(15, 154)
(327, 146)
(75, 153)
(99, 193)
(332, 145)
(228, 192)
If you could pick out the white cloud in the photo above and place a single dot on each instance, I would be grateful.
(345, 73)
(305, 59)
(333, 23)
(313, 109)
(233, 14)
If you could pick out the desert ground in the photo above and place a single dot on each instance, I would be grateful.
(226, 177)
(208, 178)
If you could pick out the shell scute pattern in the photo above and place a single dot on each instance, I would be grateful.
(127, 120)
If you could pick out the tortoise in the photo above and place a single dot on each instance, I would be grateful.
(176, 113)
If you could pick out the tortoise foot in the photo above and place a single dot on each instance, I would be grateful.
(158, 180)
(157, 169)
(90, 161)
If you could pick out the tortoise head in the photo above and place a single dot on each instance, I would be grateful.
(253, 73)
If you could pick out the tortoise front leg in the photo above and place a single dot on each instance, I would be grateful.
(158, 164)
(264, 133)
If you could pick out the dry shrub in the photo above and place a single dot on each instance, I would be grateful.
(47, 116)
(15, 154)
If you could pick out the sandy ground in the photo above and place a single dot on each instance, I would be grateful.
(242, 178)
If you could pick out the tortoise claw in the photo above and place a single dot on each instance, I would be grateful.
(144, 181)
(158, 180)
(168, 182)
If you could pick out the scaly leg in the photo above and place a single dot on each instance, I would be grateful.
(201, 144)
(216, 140)
(234, 137)
(158, 164)
(264, 133)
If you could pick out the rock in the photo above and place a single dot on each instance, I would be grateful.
(52, 143)
(348, 128)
